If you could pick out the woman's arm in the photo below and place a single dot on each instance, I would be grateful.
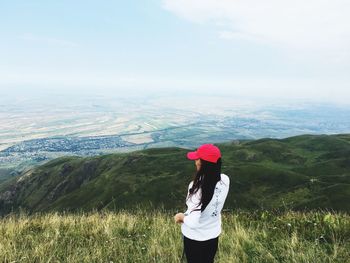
(191, 218)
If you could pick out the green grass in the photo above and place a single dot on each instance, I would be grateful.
(152, 236)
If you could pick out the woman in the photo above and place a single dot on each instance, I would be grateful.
(201, 223)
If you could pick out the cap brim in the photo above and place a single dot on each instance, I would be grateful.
(192, 156)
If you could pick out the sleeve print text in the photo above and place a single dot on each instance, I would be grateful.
(216, 203)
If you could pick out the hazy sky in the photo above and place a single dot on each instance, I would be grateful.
(272, 48)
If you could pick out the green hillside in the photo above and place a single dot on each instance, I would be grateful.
(303, 172)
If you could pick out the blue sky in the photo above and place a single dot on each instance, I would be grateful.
(242, 48)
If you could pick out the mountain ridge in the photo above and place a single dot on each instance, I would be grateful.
(300, 172)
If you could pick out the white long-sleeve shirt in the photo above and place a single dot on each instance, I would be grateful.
(205, 225)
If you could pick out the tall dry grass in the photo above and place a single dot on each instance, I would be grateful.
(152, 236)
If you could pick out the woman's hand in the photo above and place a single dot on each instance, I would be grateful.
(179, 218)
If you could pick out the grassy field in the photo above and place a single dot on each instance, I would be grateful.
(152, 236)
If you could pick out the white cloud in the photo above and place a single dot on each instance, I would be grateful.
(312, 25)
(225, 34)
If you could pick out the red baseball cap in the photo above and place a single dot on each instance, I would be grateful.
(207, 152)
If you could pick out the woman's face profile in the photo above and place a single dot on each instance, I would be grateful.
(198, 164)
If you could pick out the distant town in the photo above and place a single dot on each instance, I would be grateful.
(154, 127)
(86, 129)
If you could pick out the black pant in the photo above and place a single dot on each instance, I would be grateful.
(200, 251)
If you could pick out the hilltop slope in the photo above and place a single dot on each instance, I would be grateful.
(302, 172)
(152, 236)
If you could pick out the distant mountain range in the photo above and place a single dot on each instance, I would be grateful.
(39, 132)
(302, 172)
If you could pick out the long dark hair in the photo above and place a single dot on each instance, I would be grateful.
(205, 179)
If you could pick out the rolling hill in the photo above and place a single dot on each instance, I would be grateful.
(302, 172)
